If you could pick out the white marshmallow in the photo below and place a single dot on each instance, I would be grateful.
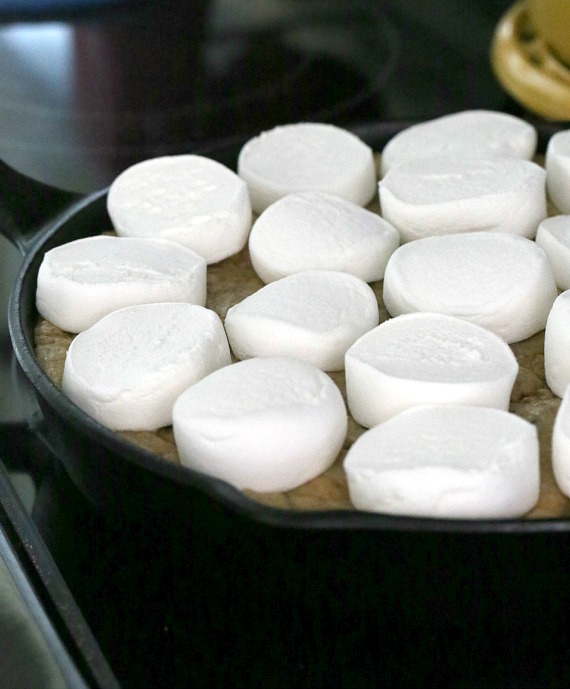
(557, 164)
(127, 370)
(446, 461)
(426, 358)
(267, 424)
(307, 156)
(561, 445)
(189, 199)
(84, 280)
(557, 345)
(317, 231)
(500, 281)
(554, 237)
(445, 195)
(314, 315)
(472, 133)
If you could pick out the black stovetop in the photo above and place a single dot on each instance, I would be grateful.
(82, 96)
(83, 93)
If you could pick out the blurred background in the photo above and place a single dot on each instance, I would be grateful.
(86, 88)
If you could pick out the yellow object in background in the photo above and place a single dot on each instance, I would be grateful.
(530, 56)
(551, 19)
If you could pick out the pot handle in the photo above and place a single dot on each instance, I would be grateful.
(26, 205)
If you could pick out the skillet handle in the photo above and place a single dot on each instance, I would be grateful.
(26, 205)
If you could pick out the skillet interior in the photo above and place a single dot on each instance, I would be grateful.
(125, 481)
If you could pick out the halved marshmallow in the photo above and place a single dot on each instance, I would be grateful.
(317, 231)
(451, 194)
(426, 358)
(557, 345)
(127, 370)
(267, 424)
(307, 156)
(446, 461)
(554, 237)
(502, 282)
(471, 133)
(561, 445)
(314, 315)
(189, 199)
(84, 280)
(557, 164)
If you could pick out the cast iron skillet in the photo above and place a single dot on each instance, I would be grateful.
(129, 484)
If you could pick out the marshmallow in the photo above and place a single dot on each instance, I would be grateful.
(500, 281)
(312, 230)
(84, 280)
(557, 345)
(561, 445)
(189, 199)
(450, 194)
(314, 315)
(554, 237)
(471, 133)
(446, 461)
(265, 424)
(426, 358)
(557, 164)
(127, 370)
(307, 156)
